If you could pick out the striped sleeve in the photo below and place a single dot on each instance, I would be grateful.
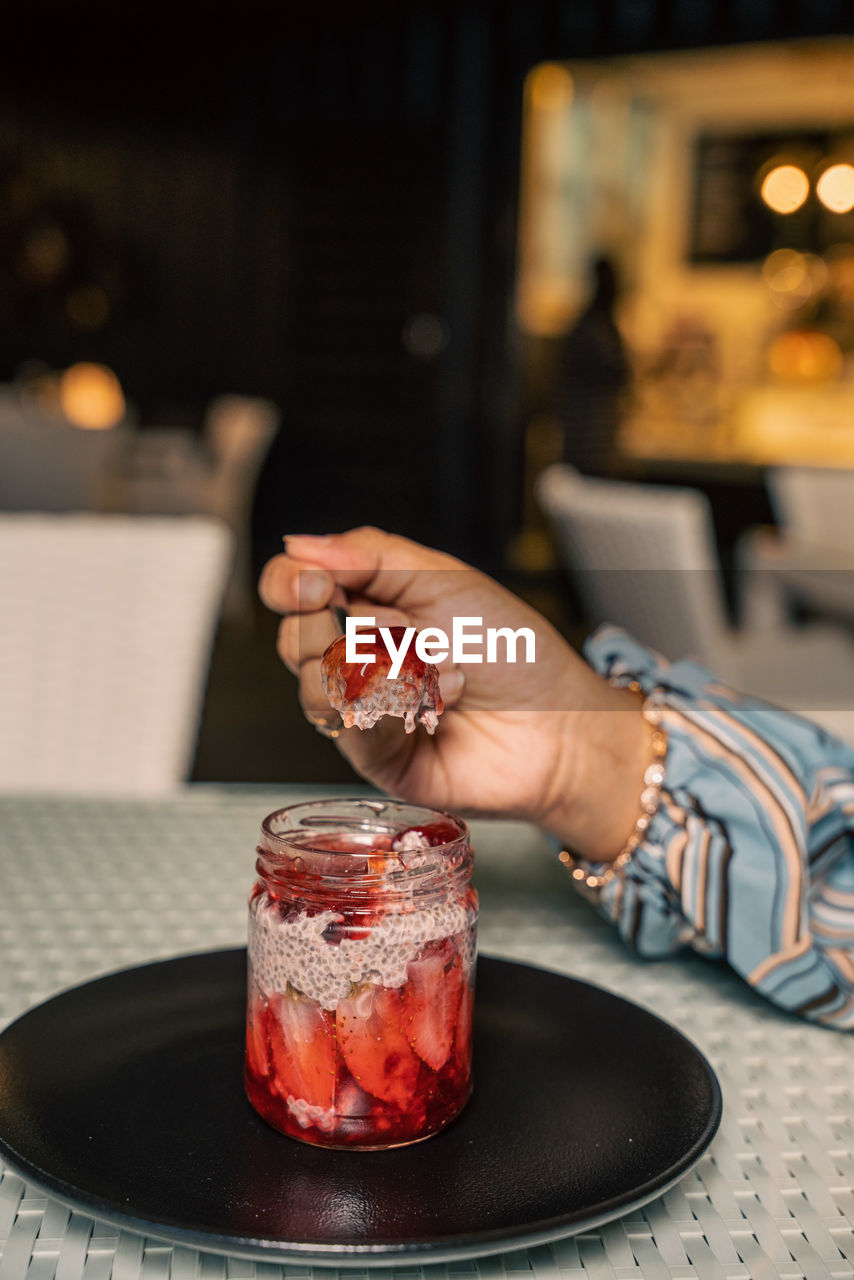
(750, 855)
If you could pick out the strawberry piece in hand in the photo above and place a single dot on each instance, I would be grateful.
(431, 1002)
(362, 693)
(302, 1041)
(375, 1048)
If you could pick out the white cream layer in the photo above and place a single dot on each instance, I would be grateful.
(294, 951)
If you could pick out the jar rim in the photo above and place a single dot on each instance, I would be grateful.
(358, 821)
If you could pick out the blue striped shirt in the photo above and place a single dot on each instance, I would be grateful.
(750, 855)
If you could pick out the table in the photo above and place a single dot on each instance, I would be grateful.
(88, 886)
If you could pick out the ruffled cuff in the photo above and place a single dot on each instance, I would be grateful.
(749, 855)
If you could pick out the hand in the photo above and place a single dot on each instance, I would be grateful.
(550, 742)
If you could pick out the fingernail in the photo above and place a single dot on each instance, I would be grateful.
(314, 539)
(314, 587)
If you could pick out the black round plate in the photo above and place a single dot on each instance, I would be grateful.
(124, 1098)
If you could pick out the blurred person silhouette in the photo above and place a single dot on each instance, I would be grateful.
(592, 376)
(691, 814)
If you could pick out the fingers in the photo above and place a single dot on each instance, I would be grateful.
(313, 700)
(312, 576)
(303, 638)
(288, 586)
(452, 685)
(355, 555)
(302, 641)
(396, 582)
(379, 565)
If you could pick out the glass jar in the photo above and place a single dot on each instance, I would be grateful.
(362, 934)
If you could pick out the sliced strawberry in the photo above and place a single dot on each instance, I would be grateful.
(257, 1045)
(431, 1001)
(462, 1045)
(375, 1048)
(303, 1046)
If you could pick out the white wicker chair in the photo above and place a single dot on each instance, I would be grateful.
(814, 505)
(106, 626)
(644, 557)
(809, 562)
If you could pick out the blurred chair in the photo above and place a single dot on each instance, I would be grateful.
(644, 557)
(106, 627)
(46, 464)
(164, 472)
(238, 433)
(174, 471)
(171, 471)
(814, 505)
(809, 562)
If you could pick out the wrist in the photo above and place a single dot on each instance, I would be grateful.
(605, 783)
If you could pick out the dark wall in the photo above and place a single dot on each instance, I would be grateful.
(311, 202)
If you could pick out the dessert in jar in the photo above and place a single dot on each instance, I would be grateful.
(362, 933)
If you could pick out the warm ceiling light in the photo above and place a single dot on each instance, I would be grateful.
(785, 188)
(91, 397)
(835, 188)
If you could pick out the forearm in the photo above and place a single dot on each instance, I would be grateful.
(750, 855)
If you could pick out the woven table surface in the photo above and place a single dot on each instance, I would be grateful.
(90, 886)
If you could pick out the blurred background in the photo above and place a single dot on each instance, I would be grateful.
(295, 268)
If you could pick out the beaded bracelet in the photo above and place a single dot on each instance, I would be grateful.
(653, 780)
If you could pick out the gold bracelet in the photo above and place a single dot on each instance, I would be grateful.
(653, 780)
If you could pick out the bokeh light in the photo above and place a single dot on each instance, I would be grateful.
(803, 355)
(792, 278)
(91, 397)
(835, 188)
(785, 188)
